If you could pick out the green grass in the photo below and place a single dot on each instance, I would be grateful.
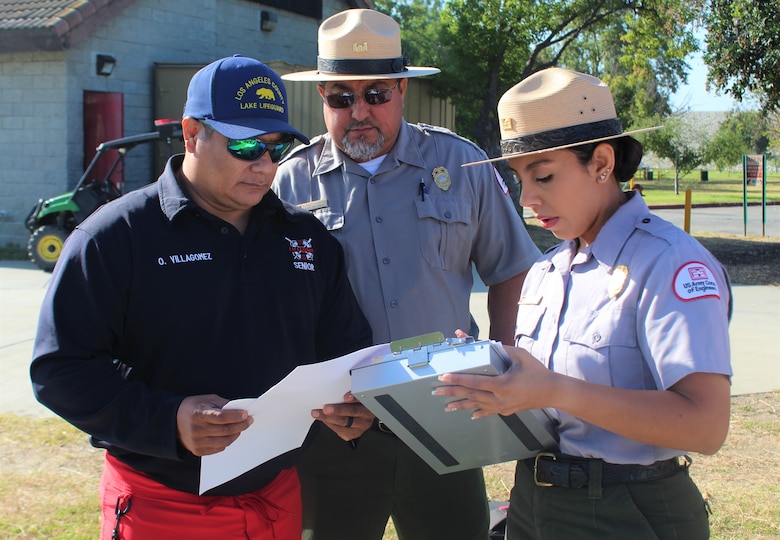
(721, 188)
(13, 253)
(49, 477)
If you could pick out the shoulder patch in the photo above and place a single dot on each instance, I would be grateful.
(695, 280)
(428, 129)
(500, 181)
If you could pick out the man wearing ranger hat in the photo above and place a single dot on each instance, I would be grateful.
(412, 223)
(151, 322)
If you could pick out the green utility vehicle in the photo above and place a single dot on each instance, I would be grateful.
(52, 220)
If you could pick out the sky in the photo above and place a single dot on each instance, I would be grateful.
(694, 96)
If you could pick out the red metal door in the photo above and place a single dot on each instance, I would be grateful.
(104, 120)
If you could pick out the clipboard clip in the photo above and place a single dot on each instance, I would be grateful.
(417, 349)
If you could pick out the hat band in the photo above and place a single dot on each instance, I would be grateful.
(363, 67)
(562, 137)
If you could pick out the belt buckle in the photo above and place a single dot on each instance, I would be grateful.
(383, 428)
(536, 468)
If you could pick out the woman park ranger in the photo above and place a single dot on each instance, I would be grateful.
(622, 332)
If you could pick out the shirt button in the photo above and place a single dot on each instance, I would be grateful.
(224, 230)
(596, 338)
(385, 261)
(448, 214)
(646, 220)
(378, 219)
(394, 303)
(372, 181)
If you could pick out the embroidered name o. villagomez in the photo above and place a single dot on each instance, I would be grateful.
(189, 257)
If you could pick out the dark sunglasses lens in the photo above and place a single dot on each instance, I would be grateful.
(340, 101)
(246, 149)
(279, 150)
(347, 99)
(252, 149)
(378, 97)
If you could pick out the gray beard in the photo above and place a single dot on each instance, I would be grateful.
(361, 151)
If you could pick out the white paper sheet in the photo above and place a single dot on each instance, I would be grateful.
(282, 416)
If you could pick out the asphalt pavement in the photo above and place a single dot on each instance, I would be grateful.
(757, 221)
(732, 219)
(756, 317)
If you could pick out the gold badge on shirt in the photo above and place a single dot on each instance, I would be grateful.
(441, 177)
(617, 283)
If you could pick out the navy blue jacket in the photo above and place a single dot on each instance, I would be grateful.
(154, 300)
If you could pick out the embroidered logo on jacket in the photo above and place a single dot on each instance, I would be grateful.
(302, 253)
(695, 280)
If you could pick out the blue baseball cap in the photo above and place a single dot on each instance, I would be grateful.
(241, 98)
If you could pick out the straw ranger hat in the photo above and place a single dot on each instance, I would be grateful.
(360, 44)
(555, 109)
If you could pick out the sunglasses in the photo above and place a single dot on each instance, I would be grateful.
(253, 149)
(345, 100)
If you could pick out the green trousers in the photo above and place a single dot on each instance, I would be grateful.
(668, 509)
(349, 493)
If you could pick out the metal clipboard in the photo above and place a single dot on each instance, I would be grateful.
(397, 389)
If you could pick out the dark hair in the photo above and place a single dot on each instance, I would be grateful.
(628, 154)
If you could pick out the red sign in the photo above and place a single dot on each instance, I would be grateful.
(754, 170)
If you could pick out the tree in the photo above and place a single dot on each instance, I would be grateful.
(741, 133)
(420, 27)
(679, 143)
(486, 46)
(725, 149)
(743, 48)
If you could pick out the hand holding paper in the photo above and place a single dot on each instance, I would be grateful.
(282, 416)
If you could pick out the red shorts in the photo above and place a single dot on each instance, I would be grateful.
(159, 512)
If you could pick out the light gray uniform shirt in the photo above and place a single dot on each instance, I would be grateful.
(409, 248)
(640, 308)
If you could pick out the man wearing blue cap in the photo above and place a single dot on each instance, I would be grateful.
(195, 290)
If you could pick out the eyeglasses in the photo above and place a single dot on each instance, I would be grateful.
(253, 149)
(345, 100)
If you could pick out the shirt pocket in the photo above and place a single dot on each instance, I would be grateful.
(445, 231)
(602, 348)
(529, 320)
(333, 220)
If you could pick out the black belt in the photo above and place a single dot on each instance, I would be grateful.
(575, 472)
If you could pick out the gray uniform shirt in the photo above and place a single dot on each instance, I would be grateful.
(411, 231)
(642, 307)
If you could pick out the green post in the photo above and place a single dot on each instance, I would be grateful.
(744, 195)
(763, 197)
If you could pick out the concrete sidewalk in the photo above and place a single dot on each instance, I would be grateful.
(22, 286)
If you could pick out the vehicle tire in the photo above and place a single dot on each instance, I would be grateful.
(45, 246)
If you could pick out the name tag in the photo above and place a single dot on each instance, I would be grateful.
(530, 300)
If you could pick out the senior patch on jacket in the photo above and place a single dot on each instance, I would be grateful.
(302, 253)
(695, 280)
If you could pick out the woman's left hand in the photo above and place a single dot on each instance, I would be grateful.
(527, 384)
